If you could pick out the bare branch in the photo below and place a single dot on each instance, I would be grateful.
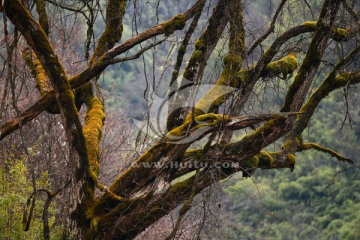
(269, 31)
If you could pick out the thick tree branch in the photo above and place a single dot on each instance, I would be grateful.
(298, 89)
(48, 100)
(39, 42)
(330, 83)
(132, 183)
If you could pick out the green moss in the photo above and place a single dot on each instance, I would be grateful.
(180, 130)
(211, 117)
(113, 30)
(237, 30)
(200, 45)
(216, 95)
(286, 65)
(191, 68)
(189, 74)
(209, 37)
(233, 60)
(338, 34)
(183, 185)
(176, 23)
(195, 154)
(197, 55)
(244, 76)
(266, 159)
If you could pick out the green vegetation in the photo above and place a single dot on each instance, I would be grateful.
(320, 199)
(15, 188)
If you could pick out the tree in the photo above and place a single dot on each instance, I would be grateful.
(143, 193)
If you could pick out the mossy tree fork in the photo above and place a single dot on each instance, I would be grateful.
(141, 196)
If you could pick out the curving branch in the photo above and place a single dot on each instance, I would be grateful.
(315, 146)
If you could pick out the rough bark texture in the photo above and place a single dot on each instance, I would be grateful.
(141, 195)
(36, 38)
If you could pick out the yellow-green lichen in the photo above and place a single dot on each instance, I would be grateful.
(198, 55)
(94, 224)
(341, 34)
(291, 158)
(338, 34)
(92, 131)
(315, 146)
(311, 24)
(195, 154)
(216, 94)
(37, 71)
(183, 185)
(211, 117)
(203, 120)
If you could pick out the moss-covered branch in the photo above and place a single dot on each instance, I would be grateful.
(284, 66)
(206, 43)
(204, 46)
(338, 34)
(259, 70)
(315, 146)
(92, 131)
(215, 97)
(195, 159)
(43, 18)
(137, 177)
(304, 77)
(115, 12)
(37, 71)
(329, 84)
(179, 192)
(150, 210)
(279, 68)
(41, 80)
(38, 41)
(48, 101)
(185, 42)
(90, 94)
